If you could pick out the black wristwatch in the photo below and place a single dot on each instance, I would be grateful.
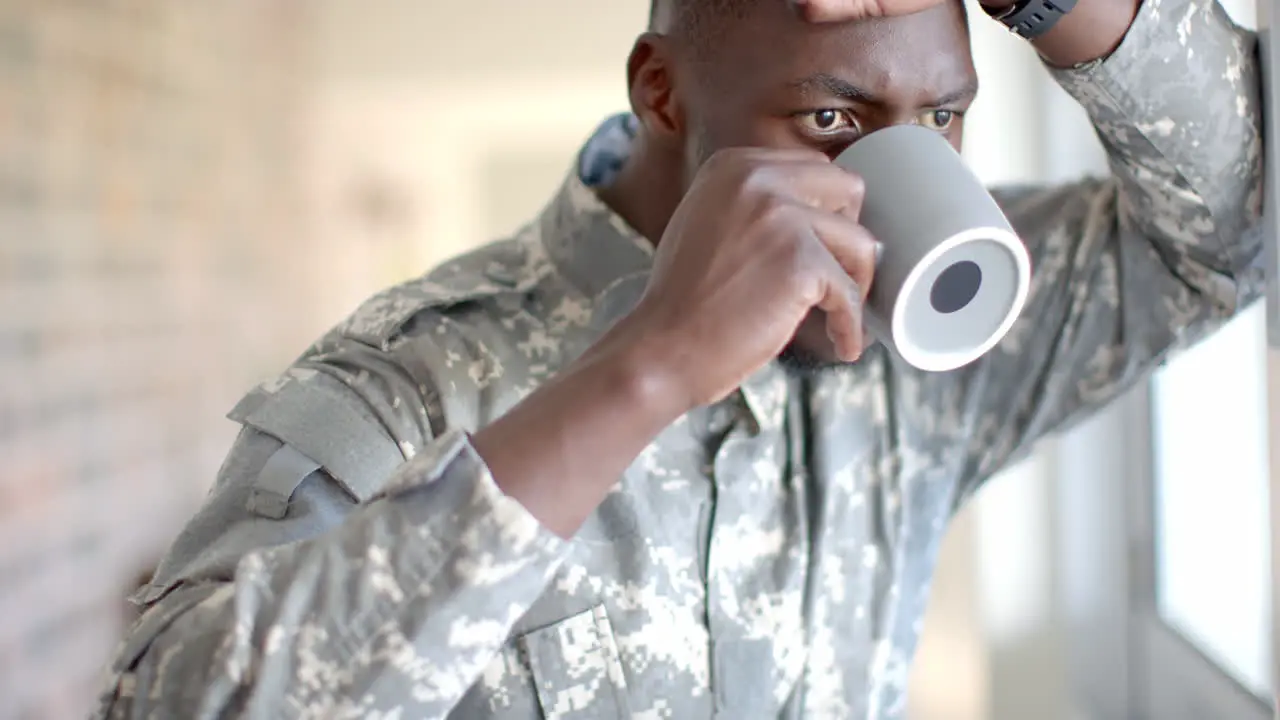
(1031, 18)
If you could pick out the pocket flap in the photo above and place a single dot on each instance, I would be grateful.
(576, 668)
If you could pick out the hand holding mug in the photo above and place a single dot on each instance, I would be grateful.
(762, 238)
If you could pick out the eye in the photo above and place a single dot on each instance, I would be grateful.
(939, 120)
(826, 122)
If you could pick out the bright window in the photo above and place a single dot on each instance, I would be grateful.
(1213, 574)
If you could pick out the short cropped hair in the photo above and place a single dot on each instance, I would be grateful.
(695, 21)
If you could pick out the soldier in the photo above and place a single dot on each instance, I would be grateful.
(571, 475)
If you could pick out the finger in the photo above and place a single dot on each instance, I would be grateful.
(805, 175)
(830, 289)
(822, 185)
(824, 11)
(850, 244)
(768, 154)
(842, 304)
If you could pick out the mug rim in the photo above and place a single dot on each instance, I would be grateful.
(930, 361)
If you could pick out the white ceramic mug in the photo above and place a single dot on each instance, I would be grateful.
(953, 275)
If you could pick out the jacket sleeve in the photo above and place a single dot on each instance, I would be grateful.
(304, 588)
(1128, 268)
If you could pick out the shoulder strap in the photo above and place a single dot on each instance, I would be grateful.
(319, 429)
(280, 477)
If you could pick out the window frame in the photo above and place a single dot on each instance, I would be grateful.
(1174, 679)
(1123, 659)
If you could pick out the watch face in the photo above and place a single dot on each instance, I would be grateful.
(1000, 10)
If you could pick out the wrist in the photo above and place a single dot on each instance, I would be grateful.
(1091, 31)
(640, 371)
(1086, 30)
(561, 449)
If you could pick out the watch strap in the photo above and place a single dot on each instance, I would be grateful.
(1032, 18)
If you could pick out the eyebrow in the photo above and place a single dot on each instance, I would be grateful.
(823, 83)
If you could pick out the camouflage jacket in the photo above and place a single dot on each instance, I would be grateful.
(765, 557)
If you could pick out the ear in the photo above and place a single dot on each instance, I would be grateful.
(651, 83)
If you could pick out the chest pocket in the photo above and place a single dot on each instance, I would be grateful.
(576, 669)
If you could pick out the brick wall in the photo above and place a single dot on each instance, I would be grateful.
(153, 264)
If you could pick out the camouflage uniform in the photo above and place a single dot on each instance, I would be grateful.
(769, 556)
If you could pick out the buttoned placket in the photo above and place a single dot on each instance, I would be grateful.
(736, 660)
(721, 512)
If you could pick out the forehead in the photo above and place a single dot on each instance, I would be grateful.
(900, 59)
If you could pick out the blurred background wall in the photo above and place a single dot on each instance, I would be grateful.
(153, 261)
(192, 191)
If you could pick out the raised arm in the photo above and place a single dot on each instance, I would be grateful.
(1127, 268)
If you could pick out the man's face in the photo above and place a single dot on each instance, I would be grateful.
(773, 80)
